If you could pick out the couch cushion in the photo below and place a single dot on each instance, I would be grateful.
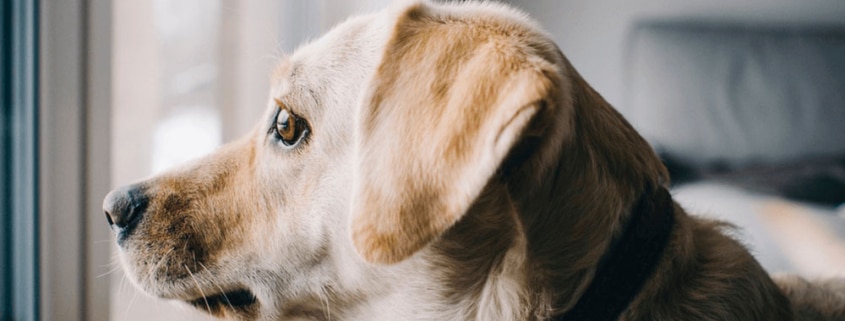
(735, 96)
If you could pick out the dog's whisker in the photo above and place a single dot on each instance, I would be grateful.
(110, 268)
(151, 275)
(121, 286)
(204, 298)
(115, 261)
(324, 296)
(110, 271)
(131, 302)
(211, 280)
(194, 255)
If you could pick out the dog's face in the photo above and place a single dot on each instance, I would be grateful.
(378, 137)
(256, 219)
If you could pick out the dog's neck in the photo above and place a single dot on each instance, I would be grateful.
(631, 260)
(572, 211)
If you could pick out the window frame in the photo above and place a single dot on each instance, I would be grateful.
(74, 168)
(19, 98)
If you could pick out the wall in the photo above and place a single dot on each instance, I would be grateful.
(592, 34)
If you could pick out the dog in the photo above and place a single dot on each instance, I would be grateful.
(440, 162)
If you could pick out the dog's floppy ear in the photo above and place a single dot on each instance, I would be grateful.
(443, 109)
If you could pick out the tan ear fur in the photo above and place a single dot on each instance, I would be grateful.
(445, 106)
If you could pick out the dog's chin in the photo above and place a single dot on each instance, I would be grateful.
(219, 300)
(200, 291)
(236, 302)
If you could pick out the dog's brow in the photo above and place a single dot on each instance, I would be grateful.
(281, 71)
(291, 88)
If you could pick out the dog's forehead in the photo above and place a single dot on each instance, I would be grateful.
(343, 52)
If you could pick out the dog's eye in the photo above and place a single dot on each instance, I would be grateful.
(289, 128)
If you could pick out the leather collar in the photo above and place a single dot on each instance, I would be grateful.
(630, 263)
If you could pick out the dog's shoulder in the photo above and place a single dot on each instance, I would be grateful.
(822, 300)
(706, 274)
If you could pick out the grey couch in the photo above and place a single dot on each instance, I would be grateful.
(751, 122)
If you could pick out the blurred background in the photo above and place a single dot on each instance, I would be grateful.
(743, 99)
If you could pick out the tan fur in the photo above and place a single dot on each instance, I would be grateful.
(458, 168)
(816, 301)
(444, 107)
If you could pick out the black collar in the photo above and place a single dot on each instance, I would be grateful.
(630, 263)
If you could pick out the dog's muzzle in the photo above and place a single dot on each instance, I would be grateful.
(124, 208)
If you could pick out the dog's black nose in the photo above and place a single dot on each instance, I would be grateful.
(125, 207)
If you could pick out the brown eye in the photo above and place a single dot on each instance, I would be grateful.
(289, 127)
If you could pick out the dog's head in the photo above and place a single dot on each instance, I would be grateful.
(378, 138)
